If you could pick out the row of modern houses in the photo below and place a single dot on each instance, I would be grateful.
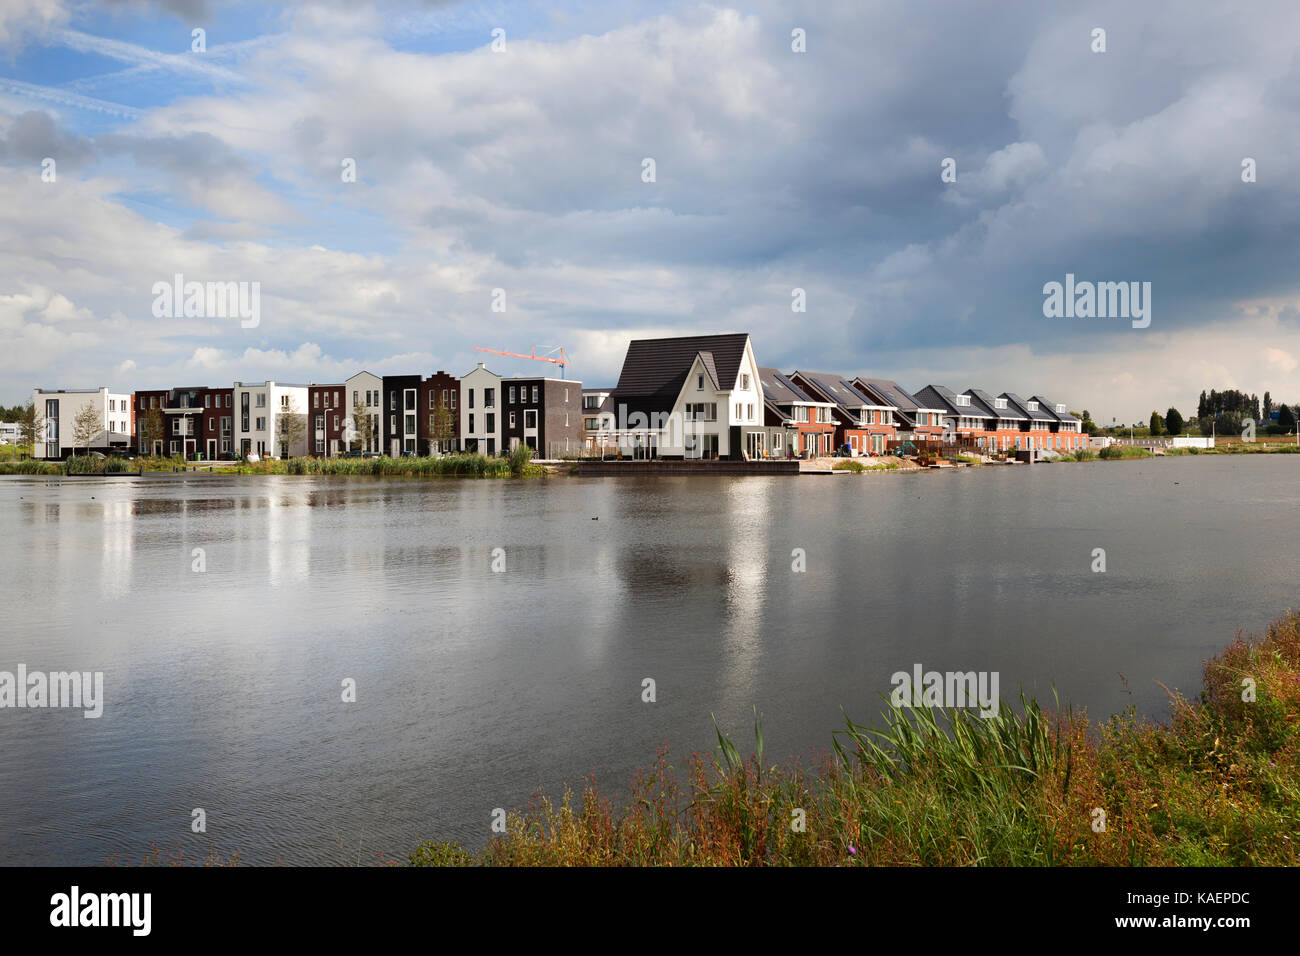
(687, 397)
(708, 397)
(367, 414)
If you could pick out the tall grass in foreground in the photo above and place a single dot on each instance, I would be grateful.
(1218, 784)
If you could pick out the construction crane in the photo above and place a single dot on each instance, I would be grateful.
(561, 361)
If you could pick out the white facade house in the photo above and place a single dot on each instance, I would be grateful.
(10, 433)
(480, 411)
(365, 389)
(60, 408)
(258, 410)
(693, 397)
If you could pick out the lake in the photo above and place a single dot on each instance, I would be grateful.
(474, 688)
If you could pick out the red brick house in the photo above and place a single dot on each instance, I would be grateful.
(795, 424)
(327, 410)
(863, 422)
(439, 390)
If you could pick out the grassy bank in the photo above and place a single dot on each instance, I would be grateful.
(516, 465)
(1217, 784)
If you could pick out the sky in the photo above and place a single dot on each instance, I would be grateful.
(521, 168)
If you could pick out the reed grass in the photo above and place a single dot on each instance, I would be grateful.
(1216, 784)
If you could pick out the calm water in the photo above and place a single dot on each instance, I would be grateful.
(477, 688)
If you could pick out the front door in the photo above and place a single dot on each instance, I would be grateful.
(189, 449)
(212, 449)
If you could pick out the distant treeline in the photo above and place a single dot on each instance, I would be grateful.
(14, 414)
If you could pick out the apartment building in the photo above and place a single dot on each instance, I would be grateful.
(60, 408)
(364, 395)
(480, 411)
(797, 425)
(600, 434)
(439, 391)
(543, 413)
(271, 419)
(400, 416)
(327, 419)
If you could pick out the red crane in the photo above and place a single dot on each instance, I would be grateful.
(561, 361)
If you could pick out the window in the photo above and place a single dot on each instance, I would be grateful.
(1032, 406)
(591, 424)
(354, 396)
(227, 401)
(491, 423)
(823, 415)
(963, 399)
(566, 396)
(1060, 408)
(409, 401)
(699, 381)
(530, 418)
(431, 426)
(392, 401)
(738, 410)
(261, 425)
(212, 423)
(534, 394)
(284, 401)
(489, 398)
(315, 400)
(744, 383)
(112, 405)
(433, 400)
(801, 413)
(338, 399)
(207, 401)
(336, 423)
(471, 415)
(153, 401)
(512, 419)
(410, 425)
(749, 412)
(261, 399)
(453, 399)
(999, 403)
(471, 398)
(512, 394)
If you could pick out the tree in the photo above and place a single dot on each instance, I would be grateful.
(1088, 425)
(363, 427)
(151, 430)
(1268, 408)
(443, 431)
(290, 427)
(85, 426)
(1286, 418)
(31, 427)
(1173, 422)
(1157, 426)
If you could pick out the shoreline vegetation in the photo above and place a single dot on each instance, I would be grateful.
(1217, 784)
(518, 464)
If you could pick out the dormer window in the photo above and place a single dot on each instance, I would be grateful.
(1033, 406)
(1060, 408)
(963, 399)
(999, 403)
